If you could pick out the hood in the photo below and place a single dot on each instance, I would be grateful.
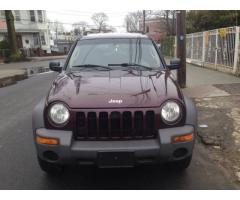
(114, 89)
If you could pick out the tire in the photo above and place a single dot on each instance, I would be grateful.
(50, 168)
(181, 165)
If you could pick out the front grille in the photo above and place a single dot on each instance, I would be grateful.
(115, 125)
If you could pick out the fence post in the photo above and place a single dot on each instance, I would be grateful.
(203, 49)
(236, 54)
(216, 49)
(175, 46)
(192, 48)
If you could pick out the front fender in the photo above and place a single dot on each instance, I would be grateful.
(191, 113)
(38, 115)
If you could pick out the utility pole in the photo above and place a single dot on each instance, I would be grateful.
(12, 34)
(144, 16)
(56, 34)
(236, 13)
(181, 46)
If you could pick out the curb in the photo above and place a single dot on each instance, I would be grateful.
(47, 58)
(10, 80)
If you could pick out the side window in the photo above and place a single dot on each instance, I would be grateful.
(150, 56)
(74, 57)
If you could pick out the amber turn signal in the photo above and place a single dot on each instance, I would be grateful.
(182, 138)
(48, 141)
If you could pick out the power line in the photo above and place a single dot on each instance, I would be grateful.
(82, 13)
(64, 23)
(85, 15)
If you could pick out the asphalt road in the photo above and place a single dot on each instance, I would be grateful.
(19, 168)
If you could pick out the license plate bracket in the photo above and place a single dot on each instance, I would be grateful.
(115, 159)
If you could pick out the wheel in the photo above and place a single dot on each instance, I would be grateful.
(181, 165)
(50, 168)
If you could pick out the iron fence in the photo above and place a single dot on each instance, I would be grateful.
(4, 53)
(217, 49)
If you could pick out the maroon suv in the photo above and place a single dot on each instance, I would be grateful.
(114, 103)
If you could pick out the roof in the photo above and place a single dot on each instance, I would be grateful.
(114, 35)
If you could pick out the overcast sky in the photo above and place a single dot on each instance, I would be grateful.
(68, 17)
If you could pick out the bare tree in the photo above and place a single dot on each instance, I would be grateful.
(12, 35)
(169, 16)
(100, 20)
(57, 27)
(169, 19)
(79, 28)
(173, 26)
(132, 20)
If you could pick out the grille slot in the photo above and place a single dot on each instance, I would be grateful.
(115, 125)
(149, 122)
(103, 124)
(92, 124)
(127, 124)
(115, 118)
(138, 123)
(81, 125)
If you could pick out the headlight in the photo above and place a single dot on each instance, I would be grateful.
(59, 114)
(170, 112)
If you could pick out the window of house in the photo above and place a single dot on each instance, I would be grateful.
(32, 15)
(17, 15)
(40, 16)
(147, 29)
(35, 39)
(2, 14)
(43, 41)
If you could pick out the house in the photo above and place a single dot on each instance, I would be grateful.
(96, 30)
(156, 29)
(31, 30)
(61, 41)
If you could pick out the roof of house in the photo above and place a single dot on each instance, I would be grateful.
(114, 35)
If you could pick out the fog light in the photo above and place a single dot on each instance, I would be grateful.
(49, 141)
(182, 138)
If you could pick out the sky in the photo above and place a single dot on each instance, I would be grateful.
(68, 17)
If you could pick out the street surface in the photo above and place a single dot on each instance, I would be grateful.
(18, 163)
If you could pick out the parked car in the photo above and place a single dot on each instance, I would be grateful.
(115, 103)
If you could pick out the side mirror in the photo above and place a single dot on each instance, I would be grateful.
(55, 66)
(174, 64)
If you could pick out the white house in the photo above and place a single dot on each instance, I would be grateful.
(31, 27)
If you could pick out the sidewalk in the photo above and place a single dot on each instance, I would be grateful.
(218, 108)
(36, 62)
(44, 58)
(199, 76)
(217, 97)
(10, 73)
(11, 76)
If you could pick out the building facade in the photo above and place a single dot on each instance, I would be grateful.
(156, 29)
(31, 28)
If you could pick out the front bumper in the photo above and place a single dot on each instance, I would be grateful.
(149, 151)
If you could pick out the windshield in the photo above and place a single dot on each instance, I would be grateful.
(115, 53)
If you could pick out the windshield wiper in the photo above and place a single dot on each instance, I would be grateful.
(131, 65)
(93, 66)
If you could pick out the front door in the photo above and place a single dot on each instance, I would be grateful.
(19, 41)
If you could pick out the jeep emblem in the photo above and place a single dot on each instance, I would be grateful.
(118, 101)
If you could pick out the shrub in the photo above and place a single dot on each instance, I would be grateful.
(4, 44)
